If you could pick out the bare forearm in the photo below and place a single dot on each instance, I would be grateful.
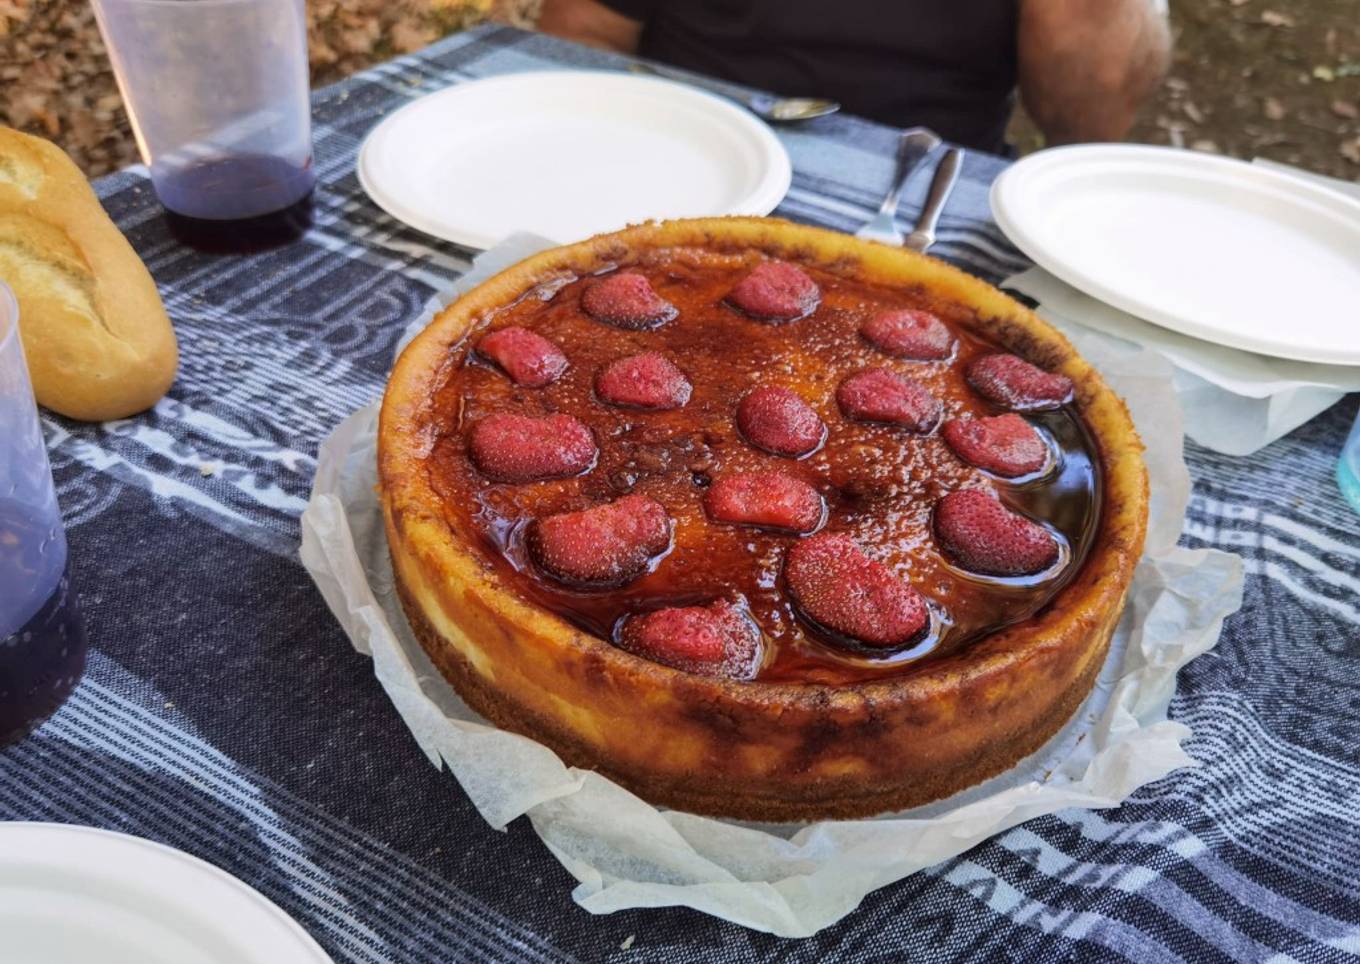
(591, 23)
(1086, 66)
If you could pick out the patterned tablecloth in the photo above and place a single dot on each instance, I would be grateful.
(225, 714)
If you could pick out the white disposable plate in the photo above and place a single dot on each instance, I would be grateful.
(568, 154)
(1219, 249)
(81, 894)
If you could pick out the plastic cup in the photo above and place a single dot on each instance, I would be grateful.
(42, 638)
(1348, 467)
(217, 94)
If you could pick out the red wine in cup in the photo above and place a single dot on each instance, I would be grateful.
(42, 637)
(237, 204)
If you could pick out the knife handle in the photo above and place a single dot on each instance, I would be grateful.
(941, 186)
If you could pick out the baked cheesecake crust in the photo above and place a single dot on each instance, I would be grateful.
(755, 749)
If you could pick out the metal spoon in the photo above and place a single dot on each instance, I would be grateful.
(941, 186)
(778, 109)
(912, 148)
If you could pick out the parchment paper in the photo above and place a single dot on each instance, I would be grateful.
(788, 879)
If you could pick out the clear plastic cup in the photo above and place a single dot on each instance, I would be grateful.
(1348, 466)
(42, 638)
(217, 94)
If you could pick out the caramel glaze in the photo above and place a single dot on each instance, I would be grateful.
(880, 483)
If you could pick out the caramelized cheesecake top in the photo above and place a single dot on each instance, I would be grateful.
(641, 451)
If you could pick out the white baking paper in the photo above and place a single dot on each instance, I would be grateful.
(789, 879)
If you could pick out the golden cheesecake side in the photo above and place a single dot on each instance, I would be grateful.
(753, 749)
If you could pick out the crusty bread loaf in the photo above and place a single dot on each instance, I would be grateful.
(97, 339)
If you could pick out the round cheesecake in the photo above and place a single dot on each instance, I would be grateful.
(760, 520)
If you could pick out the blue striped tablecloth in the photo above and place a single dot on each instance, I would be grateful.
(225, 714)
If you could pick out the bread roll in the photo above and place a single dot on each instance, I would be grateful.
(97, 339)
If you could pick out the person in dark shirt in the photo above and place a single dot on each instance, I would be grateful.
(1082, 67)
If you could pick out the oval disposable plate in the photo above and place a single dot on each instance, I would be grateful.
(567, 154)
(80, 894)
(1222, 250)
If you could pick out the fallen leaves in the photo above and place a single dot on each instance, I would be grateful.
(1272, 18)
(55, 78)
(1264, 78)
(345, 36)
(1327, 73)
(409, 37)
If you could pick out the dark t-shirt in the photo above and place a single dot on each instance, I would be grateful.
(947, 64)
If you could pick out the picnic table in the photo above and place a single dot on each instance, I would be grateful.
(225, 714)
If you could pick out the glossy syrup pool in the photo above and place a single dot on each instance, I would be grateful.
(880, 483)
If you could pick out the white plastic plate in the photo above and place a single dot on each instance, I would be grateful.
(568, 154)
(1222, 250)
(80, 894)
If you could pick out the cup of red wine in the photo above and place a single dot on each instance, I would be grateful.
(42, 637)
(217, 94)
